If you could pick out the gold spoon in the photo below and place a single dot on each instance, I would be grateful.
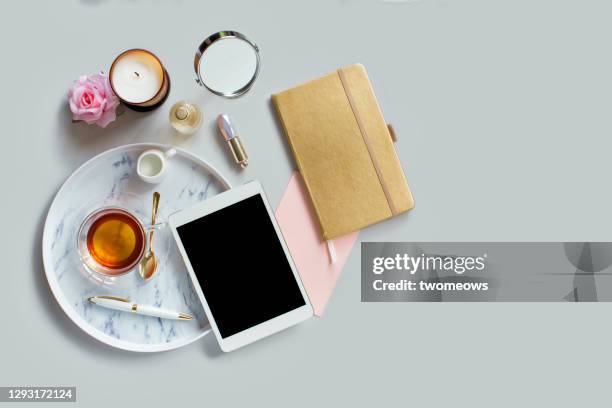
(148, 263)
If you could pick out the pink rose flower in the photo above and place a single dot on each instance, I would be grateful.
(92, 100)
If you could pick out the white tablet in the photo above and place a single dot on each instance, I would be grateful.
(240, 266)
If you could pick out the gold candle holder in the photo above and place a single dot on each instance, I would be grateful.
(139, 80)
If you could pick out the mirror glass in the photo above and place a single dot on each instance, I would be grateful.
(228, 65)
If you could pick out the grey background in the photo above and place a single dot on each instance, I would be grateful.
(503, 114)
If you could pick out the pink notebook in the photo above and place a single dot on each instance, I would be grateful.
(302, 233)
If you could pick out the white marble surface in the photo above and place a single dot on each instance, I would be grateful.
(111, 179)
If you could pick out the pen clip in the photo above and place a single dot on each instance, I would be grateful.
(120, 299)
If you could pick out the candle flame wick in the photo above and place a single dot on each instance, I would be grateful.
(137, 74)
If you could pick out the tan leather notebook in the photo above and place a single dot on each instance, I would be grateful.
(344, 151)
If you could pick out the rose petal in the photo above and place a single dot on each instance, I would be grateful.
(106, 118)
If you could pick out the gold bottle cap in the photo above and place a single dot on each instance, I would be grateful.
(181, 112)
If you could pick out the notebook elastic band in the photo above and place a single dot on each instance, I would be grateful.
(366, 140)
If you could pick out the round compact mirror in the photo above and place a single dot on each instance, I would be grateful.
(227, 63)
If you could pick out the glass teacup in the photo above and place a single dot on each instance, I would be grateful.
(111, 241)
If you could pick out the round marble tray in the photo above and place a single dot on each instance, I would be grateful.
(111, 176)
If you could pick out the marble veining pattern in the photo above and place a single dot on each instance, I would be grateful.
(112, 180)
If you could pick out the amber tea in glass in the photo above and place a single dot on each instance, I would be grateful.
(115, 240)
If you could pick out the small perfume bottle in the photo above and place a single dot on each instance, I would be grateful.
(185, 117)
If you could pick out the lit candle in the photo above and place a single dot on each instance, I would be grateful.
(139, 79)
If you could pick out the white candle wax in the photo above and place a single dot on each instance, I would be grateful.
(137, 76)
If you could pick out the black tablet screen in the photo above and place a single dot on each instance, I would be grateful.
(241, 266)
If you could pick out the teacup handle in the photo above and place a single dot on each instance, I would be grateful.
(155, 227)
(170, 153)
